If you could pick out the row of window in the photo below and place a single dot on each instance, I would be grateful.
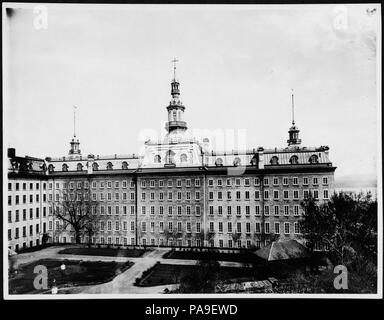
(196, 182)
(295, 194)
(24, 234)
(23, 199)
(24, 185)
(23, 217)
(266, 181)
(180, 227)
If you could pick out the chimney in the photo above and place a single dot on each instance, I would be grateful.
(11, 152)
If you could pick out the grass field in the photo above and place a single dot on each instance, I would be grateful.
(162, 274)
(76, 273)
(109, 252)
(247, 257)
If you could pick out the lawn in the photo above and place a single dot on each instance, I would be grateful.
(247, 257)
(162, 274)
(76, 273)
(109, 252)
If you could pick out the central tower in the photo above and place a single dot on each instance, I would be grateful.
(176, 123)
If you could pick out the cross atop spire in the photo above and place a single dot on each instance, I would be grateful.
(174, 67)
(293, 109)
(74, 121)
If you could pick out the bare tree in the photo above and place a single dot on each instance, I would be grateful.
(76, 209)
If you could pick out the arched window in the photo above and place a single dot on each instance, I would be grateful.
(157, 159)
(51, 168)
(219, 162)
(174, 115)
(294, 160)
(79, 167)
(183, 158)
(314, 159)
(274, 161)
(95, 166)
(124, 165)
(170, 157)
(65, 167)
(109, 166)
(237, 161)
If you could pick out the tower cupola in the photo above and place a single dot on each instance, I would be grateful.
(175, 108)
(293, 131)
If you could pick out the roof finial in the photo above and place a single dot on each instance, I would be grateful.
(174, 67)
(74, 121)
(293, 109)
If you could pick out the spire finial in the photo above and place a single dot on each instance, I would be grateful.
(74, 121)
(174, 67)
(293, 109)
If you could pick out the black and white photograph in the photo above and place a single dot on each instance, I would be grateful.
(191, 150)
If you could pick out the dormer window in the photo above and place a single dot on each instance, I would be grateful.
(109, 166)
(219, 162)
(95, 166)
(157, 159)
(65, 167)
(237, 161)
(183, 158)
(274, 161)
(79, 167)
(314, 159)
(294, 160)
(51, 168)
(124, 165)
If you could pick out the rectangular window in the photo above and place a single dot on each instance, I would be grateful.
(188, 183)
(256, 181)
(220, 210)
(247, 210)
(170, 211)
(198, 210)
(325, 180)
(197, 182)
(286, 210)
(210, 182)
(179, 210)
(188, 209)
(229, 195)
(295, 194)
(152, 210)
(229, 210)
(275, 181)
(238, 195)
(277, 227)
(238, 227)
(229, 182)
(237, 182)
(220, 227)
(161, 226)
(266, 181)
(170, 195)
(189, 229)
(161, 210)
(285, 181)
(210, 197)
(132, 225)
(286, 228)
(305, 181)
(229, 227)
(246, 195)
(286, 194)
(257, 227)
(197, 195)
(316, 194)
(211, 210)
(325, 194)
(211, 227)
(248, 227)
(219, 182)
(266, 226)
(275, 194)
(257, 195)
(143, 210)
(295, 181)
(276, 210)
(266, 210)
(219, 195)
(238, 210)
(257, 210)
(315, 181)
(296, 210)
(296, 227)
(246, 182)
(266, 194)
(198, 227)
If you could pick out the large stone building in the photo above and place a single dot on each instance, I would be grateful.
(27, 201)
(179, 192)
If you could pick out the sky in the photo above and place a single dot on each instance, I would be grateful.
(237, 66)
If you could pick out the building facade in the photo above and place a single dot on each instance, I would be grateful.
(179, 192)
(27, 201)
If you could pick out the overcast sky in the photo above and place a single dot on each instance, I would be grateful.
(237, 67)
